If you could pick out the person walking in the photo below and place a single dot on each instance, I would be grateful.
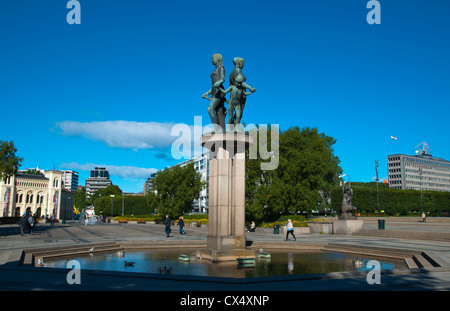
(167, 225)
(23, 224)
(181, 225)
(31, 223)
(424, 217)
(35, 219)
(290, 229)
(52, 220)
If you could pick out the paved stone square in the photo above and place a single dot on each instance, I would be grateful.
(399, 234)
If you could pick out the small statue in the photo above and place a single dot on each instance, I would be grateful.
(216, 108)
(347, 208)
(237, 97)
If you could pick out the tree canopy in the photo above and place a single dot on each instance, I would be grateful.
(306, 173)
(106, 192)
(177, 187)
(9, 161)
(80, 200)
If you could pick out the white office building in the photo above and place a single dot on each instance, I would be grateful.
(419, 172)
(99, 179)
(70, 180)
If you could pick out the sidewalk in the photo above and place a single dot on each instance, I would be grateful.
(14, 277)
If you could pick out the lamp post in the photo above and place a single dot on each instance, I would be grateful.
(420, 177)
(343, 183)
(123, 202)
(40, 196)
(112, 197)
(341, 177)
(376, 180)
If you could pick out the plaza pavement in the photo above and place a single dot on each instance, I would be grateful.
(25, 277)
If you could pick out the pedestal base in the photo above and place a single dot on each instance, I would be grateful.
(347, 227)
(346, 216)
(224, 255)
(220, 243)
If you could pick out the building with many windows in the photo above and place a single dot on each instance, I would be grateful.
(148, 184)
(70, 180)
(99, 180)
(419, 172)
(40, 194)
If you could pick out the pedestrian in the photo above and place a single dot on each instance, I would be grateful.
(35, 218)
(23, 224)
(181, 225)
(290, 229)
(52, 220)
(30, 224)
(167, 225)
(86, 219)
(252, 227)
(424, 217)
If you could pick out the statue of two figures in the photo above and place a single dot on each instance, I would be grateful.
(238, 94)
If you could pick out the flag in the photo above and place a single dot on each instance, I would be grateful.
(394, 138)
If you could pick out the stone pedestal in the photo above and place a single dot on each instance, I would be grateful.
(226, 221)
(347, 227)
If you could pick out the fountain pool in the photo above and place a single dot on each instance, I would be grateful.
(281, 262)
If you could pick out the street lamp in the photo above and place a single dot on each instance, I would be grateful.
(112, 196)
(123, 202)
(343, 183)
(376, 180)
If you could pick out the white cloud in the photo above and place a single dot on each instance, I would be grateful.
(125, 172)
(183, 139)
(122, 134)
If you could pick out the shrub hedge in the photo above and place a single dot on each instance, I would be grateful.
(393, 201)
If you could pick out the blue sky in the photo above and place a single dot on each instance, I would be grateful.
(108, 91)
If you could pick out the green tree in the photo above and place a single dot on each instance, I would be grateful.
(33, 172)
(307, 171)
(9, 161)
(152, 201)
(106, 192)
(80, 199)
(177, 187)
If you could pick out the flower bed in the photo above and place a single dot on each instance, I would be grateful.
(295, 223)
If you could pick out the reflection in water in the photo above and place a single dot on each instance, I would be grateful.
(290, 265)
(281, 262)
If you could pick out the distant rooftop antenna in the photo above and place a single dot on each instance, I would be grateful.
(425, 148)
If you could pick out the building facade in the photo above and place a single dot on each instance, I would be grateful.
(201, 165)
(148, 184)
(70, 180)
(419, 172)
(99, 180)
(40, 194)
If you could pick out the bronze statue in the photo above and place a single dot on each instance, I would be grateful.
(216, 108)
(237, 99)
(347, 208)
(239, 65)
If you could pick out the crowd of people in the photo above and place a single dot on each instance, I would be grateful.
(28, 222)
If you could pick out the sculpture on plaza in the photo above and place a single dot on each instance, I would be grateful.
(347, 208)
(238, 95)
